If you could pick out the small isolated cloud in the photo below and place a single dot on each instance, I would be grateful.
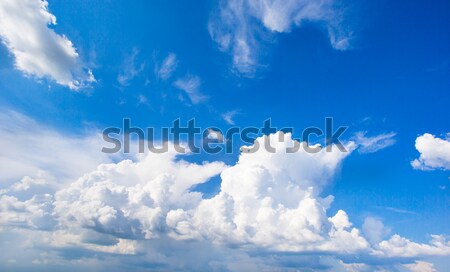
(167, 67)
(434, 153)
(130, 68)
(239, 26)
(215, 135)
(229, 116)
(191, 84)
(37, 49)
(142, 100)
(375, 143)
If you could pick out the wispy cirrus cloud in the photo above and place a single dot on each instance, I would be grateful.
(32, 154)
(130, 69)
(37, 49)
(371, 144)
(239, 27)
(229, 116)
(165, 70)
(191, 85)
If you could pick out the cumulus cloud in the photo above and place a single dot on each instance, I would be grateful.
(131, 200)
(37, 49)
(191, 84)
(270, 212)
(165, 70)
(33, 213)
(239, 26)
(374, 143)
(272, 201)
(420, 266)
(398, 246)
(434, 153)
(374, 230)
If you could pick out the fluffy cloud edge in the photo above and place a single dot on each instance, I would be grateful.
(434, 152)
(42, 53)
(127, 207)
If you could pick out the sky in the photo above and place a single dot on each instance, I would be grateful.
(71, 69)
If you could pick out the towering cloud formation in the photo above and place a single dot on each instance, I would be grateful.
(146, 214)
(272, 201)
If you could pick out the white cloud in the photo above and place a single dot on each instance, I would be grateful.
(397, 210)
(398, 246)
(375, 143)
(215, 135)
(131, 200)
(374, 230)
(191, 84)
(229, 116)
(130, 68)
(420, 266)
(239, 26)
(272, 201)
(37, 49)
(434, 153)
(269, 204)
(35, 155)
(35, 213)
(168, 66)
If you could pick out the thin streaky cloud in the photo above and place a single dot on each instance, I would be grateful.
(229, 116)
(167, 67)
(191, 85)
(130, 69)
(398, 210)
(371, 144)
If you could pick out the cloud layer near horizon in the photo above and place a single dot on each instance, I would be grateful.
(143, 210)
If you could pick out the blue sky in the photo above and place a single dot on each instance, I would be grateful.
(379, 67)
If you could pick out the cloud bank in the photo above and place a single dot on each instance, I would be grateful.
(270, 213)
(37, 49)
